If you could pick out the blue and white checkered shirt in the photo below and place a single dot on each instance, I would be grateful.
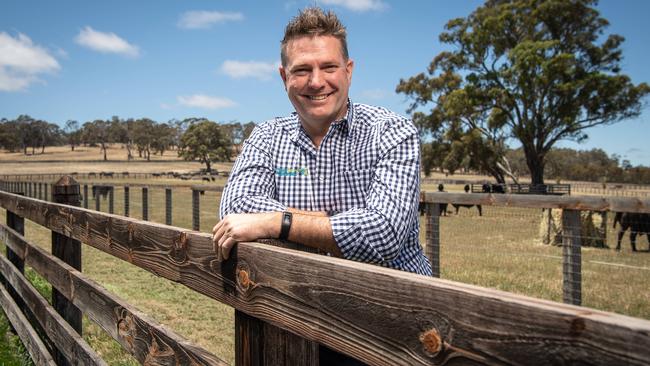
(366, 170)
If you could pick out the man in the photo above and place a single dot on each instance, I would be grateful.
(336, 176)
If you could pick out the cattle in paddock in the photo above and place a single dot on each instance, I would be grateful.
(637, 223)
(156, 175)
(459, 205)
(125, 174)
(106, 174)
(101, 191)
(92, 175)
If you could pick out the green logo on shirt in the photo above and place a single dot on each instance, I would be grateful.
(291, 172)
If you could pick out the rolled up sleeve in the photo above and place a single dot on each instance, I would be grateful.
(377, 232)
(251, 185)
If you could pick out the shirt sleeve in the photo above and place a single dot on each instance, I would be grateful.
(377, 233)
(251, 185)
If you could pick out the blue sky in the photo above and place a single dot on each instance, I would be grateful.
(85, 60)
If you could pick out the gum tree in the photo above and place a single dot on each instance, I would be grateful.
(536, 71)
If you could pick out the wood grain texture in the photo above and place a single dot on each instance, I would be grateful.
(72, 346)
(377, 315)
(592, 203)
(33, 344)
(145, 339)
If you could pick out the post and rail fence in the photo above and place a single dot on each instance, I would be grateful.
(290, 303)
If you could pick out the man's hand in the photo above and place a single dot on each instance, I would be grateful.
(236, 228)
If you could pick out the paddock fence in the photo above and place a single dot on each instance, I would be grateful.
(289, 303)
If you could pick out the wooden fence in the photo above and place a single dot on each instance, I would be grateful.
(570, 206)
(288, 303)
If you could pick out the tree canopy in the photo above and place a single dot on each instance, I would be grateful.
(204, 141)
(536, 71)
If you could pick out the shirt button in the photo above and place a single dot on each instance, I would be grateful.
(321, 178)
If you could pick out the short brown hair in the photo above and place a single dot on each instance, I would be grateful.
(313, 21)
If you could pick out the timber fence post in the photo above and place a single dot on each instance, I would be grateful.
(145, 203)
(126, 201)
(432, 236)
(110, 200)
(85, 195)
(168, 206)
(66, 191)
(196, 212)
(571, 257)
(98, 204)
(46, 197)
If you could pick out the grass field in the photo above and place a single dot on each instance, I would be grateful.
(501, 249)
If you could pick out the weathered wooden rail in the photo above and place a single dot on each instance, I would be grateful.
(377, 315)
(570, 206)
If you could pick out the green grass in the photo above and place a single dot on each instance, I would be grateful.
(501, 249)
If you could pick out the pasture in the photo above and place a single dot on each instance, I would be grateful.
(501, 249)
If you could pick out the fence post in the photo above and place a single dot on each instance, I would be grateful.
(432, 238)
(66, 191)
(98, 203)
(196, 212)
(40, 190)
(29, 189)
(110, 200)
(17, 223)
(126, 201)
(168, 206)
(145, 203)
(259, 343)
(45, 193)
(85, 195)
(571, 257)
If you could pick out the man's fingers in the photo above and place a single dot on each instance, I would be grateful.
(217, 226)
(226, 247)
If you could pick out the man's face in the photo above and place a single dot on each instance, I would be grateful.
(317, 79)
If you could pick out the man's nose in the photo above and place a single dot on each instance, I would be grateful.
(316, 80)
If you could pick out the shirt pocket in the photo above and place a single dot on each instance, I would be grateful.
(352, 188)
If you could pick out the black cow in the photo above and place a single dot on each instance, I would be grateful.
(637, 223)
(458, 205)
(101, 191)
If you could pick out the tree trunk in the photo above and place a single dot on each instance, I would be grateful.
(43, 149)
(104, 148)
(207, 166)
(72, 146)
(536, 167)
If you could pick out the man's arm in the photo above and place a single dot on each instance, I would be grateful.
(312, 229)
(251, 185)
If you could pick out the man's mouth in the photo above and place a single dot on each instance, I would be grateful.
(319, 96)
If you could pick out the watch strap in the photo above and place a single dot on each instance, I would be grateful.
(287, 217)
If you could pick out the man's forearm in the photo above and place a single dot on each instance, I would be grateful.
(314, 230)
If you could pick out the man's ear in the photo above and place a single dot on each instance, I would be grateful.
(349, 66)
(283, 75)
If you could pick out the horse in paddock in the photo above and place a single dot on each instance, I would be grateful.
(637, 223)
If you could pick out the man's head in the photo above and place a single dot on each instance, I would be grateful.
(312, 22)
(316, 69)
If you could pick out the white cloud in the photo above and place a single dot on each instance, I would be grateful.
(205, 101)
(106, 42)
(202, 19)
(357, 5)
(250, 69)
(21, 62)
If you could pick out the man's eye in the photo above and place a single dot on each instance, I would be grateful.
(300, 72)
(331, 68)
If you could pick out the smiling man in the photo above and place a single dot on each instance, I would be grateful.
(338, 176)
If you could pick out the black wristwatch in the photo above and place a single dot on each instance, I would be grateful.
(286, 225)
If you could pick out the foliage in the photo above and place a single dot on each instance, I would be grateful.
(205, 141)
(535, 71)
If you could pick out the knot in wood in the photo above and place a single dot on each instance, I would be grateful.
(243, 279)
(431, 341)
(178, 251)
